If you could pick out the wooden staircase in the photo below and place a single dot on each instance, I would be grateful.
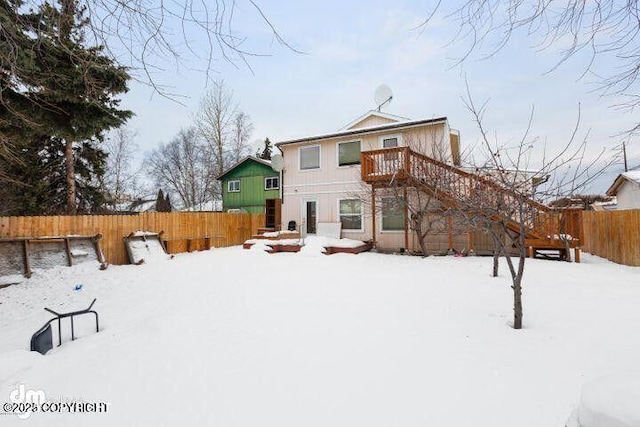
(546, 228)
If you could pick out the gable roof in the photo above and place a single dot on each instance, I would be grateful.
(358, 131)
(374, 113)
(246, 159)
(632, 176)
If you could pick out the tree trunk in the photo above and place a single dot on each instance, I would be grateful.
(496, 256)
(517, 303)
(70, 178)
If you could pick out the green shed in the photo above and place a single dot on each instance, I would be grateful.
(251, 185)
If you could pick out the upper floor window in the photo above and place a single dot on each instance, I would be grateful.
(271, 183)
(310, 157)
(233, 186)
(348, 153)
(390, 142)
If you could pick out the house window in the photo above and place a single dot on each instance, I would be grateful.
(351, 214)
(349, 153)
(390, 142)
(310, 157)
(271, 183)
(392, 214)
(233, 186)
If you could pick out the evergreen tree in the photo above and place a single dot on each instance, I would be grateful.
(266, 151)
(160, 201)
(60, 101)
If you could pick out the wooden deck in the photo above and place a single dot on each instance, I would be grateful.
(546, 227)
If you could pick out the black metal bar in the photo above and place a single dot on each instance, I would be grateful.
(60, 316)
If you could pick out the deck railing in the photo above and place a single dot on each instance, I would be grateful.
(453, 186)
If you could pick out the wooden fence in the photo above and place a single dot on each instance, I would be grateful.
(184, 231)
(614, 235)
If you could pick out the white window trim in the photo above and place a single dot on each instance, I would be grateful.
(381, 139)
(361, 230)
(381, 219)
(229, 190)
(272, 188)
(338, 153)
(319, 158)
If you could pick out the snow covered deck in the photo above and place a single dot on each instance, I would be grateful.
(325, 245)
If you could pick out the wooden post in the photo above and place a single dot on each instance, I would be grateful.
(530, 252)
(576, 255)
(373, 215)
(27, 265)
(470, 240)
(406, 219)
(68, 251)
(450, 233)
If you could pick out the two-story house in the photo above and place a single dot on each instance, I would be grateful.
(321, 179)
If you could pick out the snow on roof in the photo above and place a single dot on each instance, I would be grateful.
(210, 206)
(377, 128)
(254, 158)
(631, 176)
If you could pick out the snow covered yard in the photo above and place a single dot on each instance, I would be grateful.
(232, 337)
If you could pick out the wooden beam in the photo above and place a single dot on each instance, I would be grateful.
(27, 264)
(406, 220)
(67, 249)
(373, 215)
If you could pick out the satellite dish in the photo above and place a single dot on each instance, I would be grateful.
(383, 95)
(277, 162)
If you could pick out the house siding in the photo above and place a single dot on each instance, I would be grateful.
(372, 121)
(628, 195)
(331, 182)
(252, 194)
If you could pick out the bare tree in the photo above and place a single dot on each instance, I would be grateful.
(241, 132)
(223, 127)
(121, 180)
(606, 31)
(183, 167)
(500, 196)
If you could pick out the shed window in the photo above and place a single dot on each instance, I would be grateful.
(271, 183)
(233, 186)
(310, 157)
(349, 153)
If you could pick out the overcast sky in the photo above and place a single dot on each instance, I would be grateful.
(351, 47)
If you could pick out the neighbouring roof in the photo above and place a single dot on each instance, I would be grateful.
(210, 206)
(358, 131)
(375, 113)
(631, 176)
(246, 159)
